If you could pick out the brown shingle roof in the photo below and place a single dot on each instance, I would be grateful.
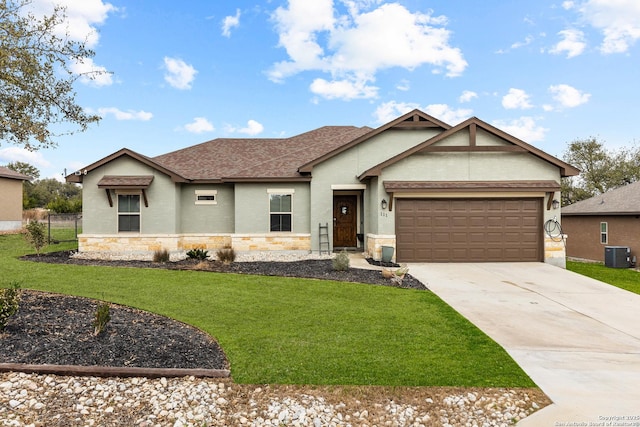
(11, 174)
(619, 201)
(248, 159)
(124, 182)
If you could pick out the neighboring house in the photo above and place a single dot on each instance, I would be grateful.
(609, 219)
(433, 192)
(11, 199)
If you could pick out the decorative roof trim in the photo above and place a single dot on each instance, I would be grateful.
(473, 124)
(415, 119)
(78, 177)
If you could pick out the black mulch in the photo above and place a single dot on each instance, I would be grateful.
(57, 329)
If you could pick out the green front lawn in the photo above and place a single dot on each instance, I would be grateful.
(621, 277)
(295, 331)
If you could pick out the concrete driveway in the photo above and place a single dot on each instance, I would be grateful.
(577, 338)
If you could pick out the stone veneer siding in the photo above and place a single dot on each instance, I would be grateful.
(375, 242)
(178, 243)
(555, 251)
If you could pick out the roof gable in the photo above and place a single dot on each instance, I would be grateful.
(125, 152)
(509, 144)
(415, 119)
(623, 200)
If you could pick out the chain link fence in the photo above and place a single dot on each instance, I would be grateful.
(63, 227)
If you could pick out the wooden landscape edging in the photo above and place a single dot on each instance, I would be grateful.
(113, 371)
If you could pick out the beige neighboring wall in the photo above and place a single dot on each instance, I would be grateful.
(11, 204)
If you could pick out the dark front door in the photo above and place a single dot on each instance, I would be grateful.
(344, 221)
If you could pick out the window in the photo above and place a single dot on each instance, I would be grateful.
(280, 211)
(206, 197)
(604, 232)
(128, 212)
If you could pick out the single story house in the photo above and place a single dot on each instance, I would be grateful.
(609, 219)
(11, 199)
(433, 192)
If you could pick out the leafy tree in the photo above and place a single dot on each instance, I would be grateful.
(600, 169)
(36, 81)
(25, 169)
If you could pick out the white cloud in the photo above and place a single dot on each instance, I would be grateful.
(567, 96)
(619, 22)
(199, 125)
(179, 74)
(16, 154)
(355, 46)
(568, 5)
(467, 96)
(524, 128)
(230, 22)
(90, 73)
(391, 110)
(516, 99)
(527, 41)
(572, 43)
(343, 89)
(403, 85)
(125, 115)
(447, 114)
(83, 17)
(252, 128)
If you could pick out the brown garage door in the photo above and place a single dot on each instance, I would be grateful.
(468, 230)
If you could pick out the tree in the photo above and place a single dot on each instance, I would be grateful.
(600, 169)
(25, 169)
(36, 81)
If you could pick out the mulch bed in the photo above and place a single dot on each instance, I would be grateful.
(57, 329)
(312, 269)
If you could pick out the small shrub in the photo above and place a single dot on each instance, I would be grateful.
(161, 255)
(341, 261)
(9, 303)
(101, 318)
(226, 255)
(36, 235)
(199, 254)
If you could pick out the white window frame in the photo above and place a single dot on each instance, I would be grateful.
(139, 213)
(280, 192)
(604, 233)
(206, 194)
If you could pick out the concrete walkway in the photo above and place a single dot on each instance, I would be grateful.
(577, 338)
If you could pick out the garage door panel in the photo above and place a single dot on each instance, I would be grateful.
(469, 230)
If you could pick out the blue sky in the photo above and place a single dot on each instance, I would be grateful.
(548, 72)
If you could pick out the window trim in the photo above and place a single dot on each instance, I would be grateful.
(604, 233)
(205, 194)
(139, 213)
(281, 192)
